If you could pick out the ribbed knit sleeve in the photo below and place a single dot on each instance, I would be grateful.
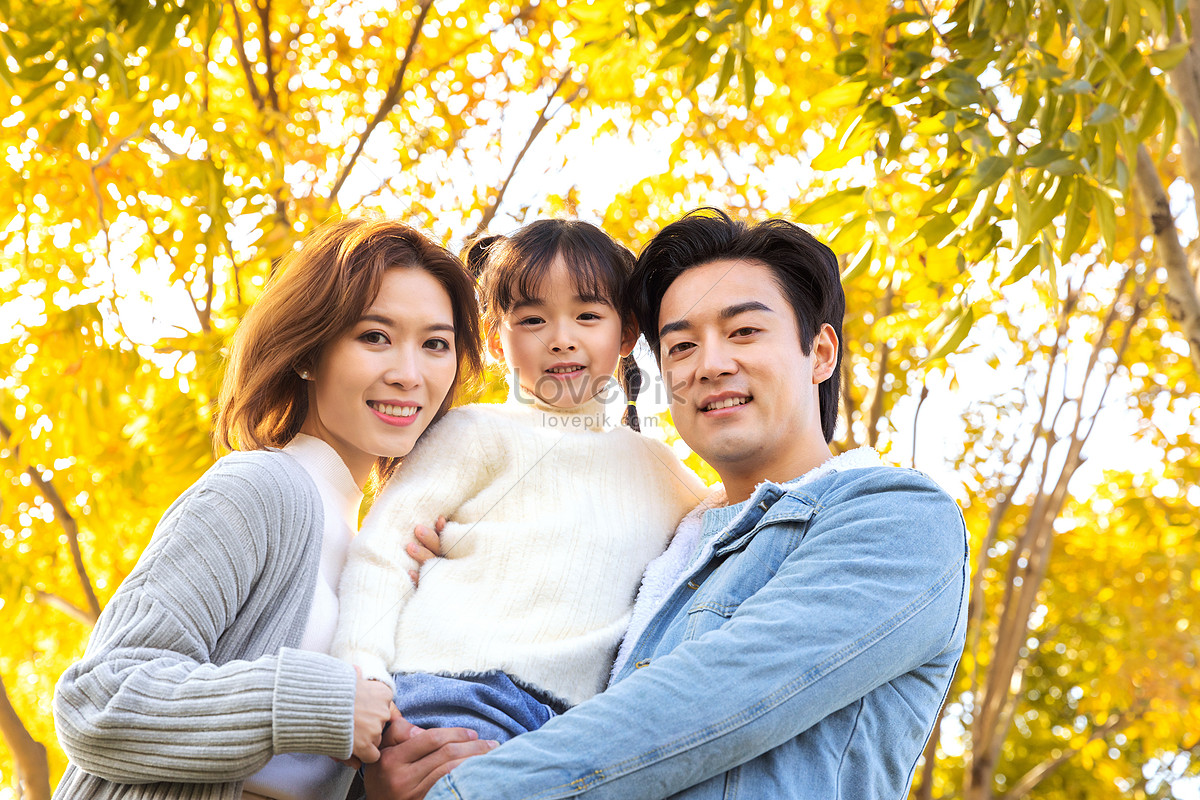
(449, 465)
(185, 678)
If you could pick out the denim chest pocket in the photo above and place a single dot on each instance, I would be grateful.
(746, 563)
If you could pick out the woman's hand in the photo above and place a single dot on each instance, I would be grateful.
(373, 708)
(428, 545)
(412, 760)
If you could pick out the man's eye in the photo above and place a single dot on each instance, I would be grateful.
(438, 345)
(374, 337)
(745, 331)
(682, 347)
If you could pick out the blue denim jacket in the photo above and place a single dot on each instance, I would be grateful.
(805, 657)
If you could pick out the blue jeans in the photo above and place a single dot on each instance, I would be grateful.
(489, 703)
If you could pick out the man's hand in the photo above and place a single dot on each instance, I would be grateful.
(428, 545)
(412, 760)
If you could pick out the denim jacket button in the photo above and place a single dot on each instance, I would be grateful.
(762, 505)
(641, 663)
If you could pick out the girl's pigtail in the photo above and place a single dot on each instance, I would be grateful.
(631, 383)
(477, 253)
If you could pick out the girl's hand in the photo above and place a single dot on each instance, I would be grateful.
(428, 545)
(373, 708)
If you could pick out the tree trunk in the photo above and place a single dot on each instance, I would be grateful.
(29, 755)
(1182, 298)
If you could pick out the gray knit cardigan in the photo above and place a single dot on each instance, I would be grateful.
(190, 682)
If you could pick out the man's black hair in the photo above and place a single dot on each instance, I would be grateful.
(805, 270)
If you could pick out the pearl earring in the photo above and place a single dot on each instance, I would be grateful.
(305, 375)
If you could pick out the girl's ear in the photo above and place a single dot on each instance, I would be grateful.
(629, 336)
(494, 347)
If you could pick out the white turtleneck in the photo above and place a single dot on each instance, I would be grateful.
(302, 776)
(551, 520)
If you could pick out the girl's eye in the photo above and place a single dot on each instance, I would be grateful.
(531, 321)
(438, 345)
(374, 337)
(682, 347)
(588, 316)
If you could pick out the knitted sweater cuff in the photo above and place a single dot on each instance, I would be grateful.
(314, 704)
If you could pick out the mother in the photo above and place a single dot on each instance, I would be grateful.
(207, 673)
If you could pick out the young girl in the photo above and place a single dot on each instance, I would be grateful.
(208, 675)
(553, 514)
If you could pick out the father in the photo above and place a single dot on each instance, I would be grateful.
(798, 638)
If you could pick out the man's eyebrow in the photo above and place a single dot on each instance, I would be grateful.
(729, 312)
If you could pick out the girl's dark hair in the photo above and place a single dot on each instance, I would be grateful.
(317, 294)
(511, 268)
(805, 270)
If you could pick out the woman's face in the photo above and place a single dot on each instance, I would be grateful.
(375, 390)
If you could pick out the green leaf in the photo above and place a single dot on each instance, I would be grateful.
(904, 17)
(727, 66)
(848, 62)
(831, 207)
(1169, 59)
(1077, 86)
(990, 170)
(860, 262)
(1077, 220)
(954, 336)
(748, 81)
(1025, 264)
(839, 95)
(1106, 218)
(1103, 114)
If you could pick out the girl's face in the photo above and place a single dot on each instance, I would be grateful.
(375, 389)
(561, 347)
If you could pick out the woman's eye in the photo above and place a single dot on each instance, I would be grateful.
(374, 337)
(439, 345)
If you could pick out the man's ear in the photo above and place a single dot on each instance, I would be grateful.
(494, 347)
(824, 353)
(629, 336)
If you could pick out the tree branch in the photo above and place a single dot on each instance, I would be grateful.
(69, 526)
(241, 51)
(64, 605)
(1040, 772)
(29, 755)
(490, 213)
(874, 399)
(389, 100)
(264, 18)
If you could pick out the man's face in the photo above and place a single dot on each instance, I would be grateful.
(743, 393)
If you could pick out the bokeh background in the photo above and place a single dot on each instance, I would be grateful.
(1010, 186)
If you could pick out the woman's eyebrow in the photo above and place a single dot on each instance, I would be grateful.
(386, 320)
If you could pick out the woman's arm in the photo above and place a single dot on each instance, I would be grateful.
(148, 703)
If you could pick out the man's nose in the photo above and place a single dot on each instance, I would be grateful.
(716, 359)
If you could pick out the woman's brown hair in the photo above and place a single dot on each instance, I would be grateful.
(315, 296)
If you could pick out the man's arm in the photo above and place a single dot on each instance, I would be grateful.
(874, 590)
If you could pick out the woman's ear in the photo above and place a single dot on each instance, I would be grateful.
(824, 354)
(494, 347)
(629, 336)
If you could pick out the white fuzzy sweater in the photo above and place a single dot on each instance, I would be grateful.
(551, 520)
